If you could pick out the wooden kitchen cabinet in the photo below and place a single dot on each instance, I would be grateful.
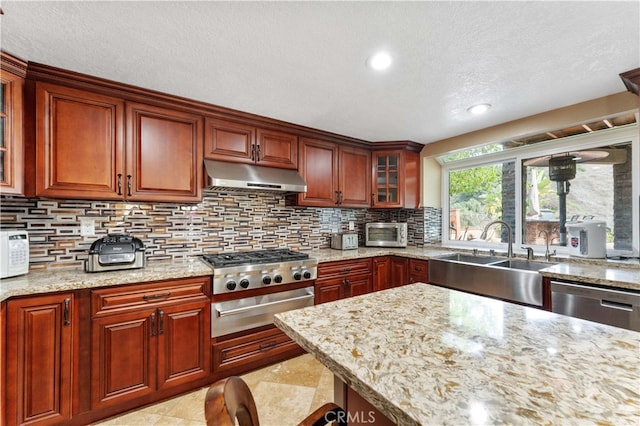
(147, 338)
(339, 280)
(336, 175)
(389, 272)
(11, 118)
(418, 271)
(164, 154)
(84, 153)
(396, 177)
(39, 360)
(243, 143)
(398, 271)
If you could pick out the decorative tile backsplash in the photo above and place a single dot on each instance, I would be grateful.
(222, 222)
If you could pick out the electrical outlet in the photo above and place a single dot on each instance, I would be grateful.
(352, 226)
(87, 227)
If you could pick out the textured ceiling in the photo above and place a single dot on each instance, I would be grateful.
(304, 62)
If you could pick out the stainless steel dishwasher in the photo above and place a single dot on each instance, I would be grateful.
(619, 308)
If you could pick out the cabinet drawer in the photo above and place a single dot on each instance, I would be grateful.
(342, 268)
(245, 353)
(124, 298)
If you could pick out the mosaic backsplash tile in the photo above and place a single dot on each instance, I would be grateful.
(222, 222)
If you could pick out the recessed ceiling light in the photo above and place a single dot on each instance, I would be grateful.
(379, 61)
(479, 109)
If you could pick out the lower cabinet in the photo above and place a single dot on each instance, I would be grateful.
(398, 271)
(240, 353)
(338, 280)
(39, 348)
(418, 271)
(389, 272)
(148, 338)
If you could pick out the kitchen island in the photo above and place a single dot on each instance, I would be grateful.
(421, 354)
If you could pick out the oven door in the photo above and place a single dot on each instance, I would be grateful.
(244, 314)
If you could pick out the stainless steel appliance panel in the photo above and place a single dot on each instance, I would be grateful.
(250, 312)
(612, 307)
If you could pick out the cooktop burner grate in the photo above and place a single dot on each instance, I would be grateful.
(253, 257)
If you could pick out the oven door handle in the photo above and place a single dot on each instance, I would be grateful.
(262, 305)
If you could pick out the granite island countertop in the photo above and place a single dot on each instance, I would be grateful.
(427, 355)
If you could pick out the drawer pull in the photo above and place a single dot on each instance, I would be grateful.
(156, 296)
(266, 346)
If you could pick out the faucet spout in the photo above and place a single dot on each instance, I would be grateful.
(509, 232)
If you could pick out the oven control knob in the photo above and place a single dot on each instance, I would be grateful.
(297, 276)
(278, 279)
(307, 275)
(231, 285)
(244, 283)
(266, 279)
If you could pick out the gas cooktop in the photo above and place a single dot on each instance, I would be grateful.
(258, 269)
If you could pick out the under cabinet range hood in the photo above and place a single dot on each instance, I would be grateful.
(223, 175)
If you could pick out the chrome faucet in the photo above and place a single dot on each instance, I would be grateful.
(547, 254)
(529, 252)
(509, 231)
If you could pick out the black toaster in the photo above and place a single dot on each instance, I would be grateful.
(115, 252)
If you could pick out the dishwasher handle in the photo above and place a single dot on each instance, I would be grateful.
(616, 305)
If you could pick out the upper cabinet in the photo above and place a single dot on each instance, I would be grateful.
(336, 175)
(164, 154)
(82, 150)
(11, 112)
(80, 144)
(396, 177)
(244, 143)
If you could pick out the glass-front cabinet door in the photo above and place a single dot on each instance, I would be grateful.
(11, 144)
(388, 178)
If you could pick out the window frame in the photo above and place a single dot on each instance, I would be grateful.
(627, 134)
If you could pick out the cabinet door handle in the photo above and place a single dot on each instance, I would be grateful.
(119, 183)
(67, 318)
(129, 185)
(253, 152)
(147, 297)
(258, 153)
(337, 198)
(153, 324)
(161, 325)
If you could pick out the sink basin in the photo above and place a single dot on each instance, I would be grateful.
(527, 265)
(469, 258)
(514, 280)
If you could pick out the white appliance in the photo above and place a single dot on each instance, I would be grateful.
(14, 253)
(588, 239)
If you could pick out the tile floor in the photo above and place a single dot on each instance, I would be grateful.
(295, 387)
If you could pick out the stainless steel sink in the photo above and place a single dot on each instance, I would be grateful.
(514, 280)
(527, 265)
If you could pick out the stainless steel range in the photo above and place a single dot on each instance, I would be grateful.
(250, 287)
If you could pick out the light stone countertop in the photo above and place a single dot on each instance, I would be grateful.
(427, 355)
(612, 274)
(37, 282)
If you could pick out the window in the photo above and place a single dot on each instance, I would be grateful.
(593, 176)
